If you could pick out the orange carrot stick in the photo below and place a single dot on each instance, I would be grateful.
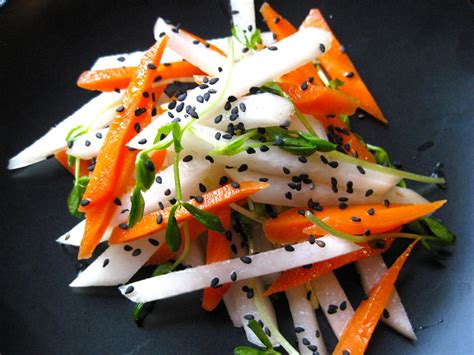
(290, 226)
(119, 78)
(218, 249)
(320, 100)
(358, 332)
(115, 163)
(337, 64)
(380, 220)
(282, 29)
(212, 201)
(299, 276)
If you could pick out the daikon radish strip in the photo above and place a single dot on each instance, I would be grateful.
(333, 301)
(245, 267)
(305, 323)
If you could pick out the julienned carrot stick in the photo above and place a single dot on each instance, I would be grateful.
(119, 78)
(358, 332)
(299, 276)
(282, 29)
(212, 201)
(115, 163)
(337, 64)
(218, 249)
(320, 100)
(376, 218)
(290, 226)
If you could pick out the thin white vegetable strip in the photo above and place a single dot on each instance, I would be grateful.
(97, 113)
(131, 59)
(318, 127)
(197, 54)
(371, 271)
(256, 70)
(252, 266)
(232, 308)
(262, 110)
(333, 302)
(88, 145)
(119, 262)
(243, 18)
(305, 323)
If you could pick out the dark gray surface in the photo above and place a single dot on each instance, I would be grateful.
(415, 56)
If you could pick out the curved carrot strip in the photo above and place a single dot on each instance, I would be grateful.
(115, 163)
(212, 201)
(320, 100)
(61, 157)
(218, 249)
(292, 227)
(301, 275)
(348, 141)
(337, 64)
(282, 29)
(119, 78)
(382, 220)
(358, 332)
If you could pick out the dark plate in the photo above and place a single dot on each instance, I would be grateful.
(415, 56)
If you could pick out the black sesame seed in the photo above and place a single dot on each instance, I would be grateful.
(264, 148)
(311, 239)
(305, 341)
(213, 81)
(98, 135)
(299, 330)
(301, 212)
(157, 78)
(223, 180)
(140, 111)
(235, 184)
(233, 247)
(158, 179)
(200, 99)
(250, 293)
(202, 188)
(333, 164)
(303, 159)
(207, 96)
(188, 158)
(218, 135)
(209, 159)
(343, 199)
(218, 119)
(289, 248)
(142, 141)
(173, 201)
(332, 309)
(313, 348)
(343, 205)
(246, 259)
(263, 179)
(304, 86)
(214, 282)
(355, 219)
(288, 195)
(227, 106)
(117, 201)
(153, 242)
(369, 192)
(87, 143)
(167, 192)
(129, 289)
(343, 306)
(182, 97)
(249, 317)
(127, 247)
(233, 116)
(273, 48)
(121, 59)
(370, 211)
(345, 352)
(160, 204)
(322, 47)
(276, 20)
(250, 150)
(159, 219)
(367, 232)
(349, 74)
(84, 202)
(106, 262)
(361, 170)
(386, 203)
(137, 252)
(286, 170)
(199, 199)
(180, 107)
(278, 141)
(242, 168)
(386, 314)
(320, 243)
(307, 266)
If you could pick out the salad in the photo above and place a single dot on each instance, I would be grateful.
(230, 165)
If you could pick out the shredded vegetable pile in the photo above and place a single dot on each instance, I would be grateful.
(243, 182)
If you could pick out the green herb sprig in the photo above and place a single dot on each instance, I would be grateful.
(80, 182)
(248, 42)
(262, 336)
